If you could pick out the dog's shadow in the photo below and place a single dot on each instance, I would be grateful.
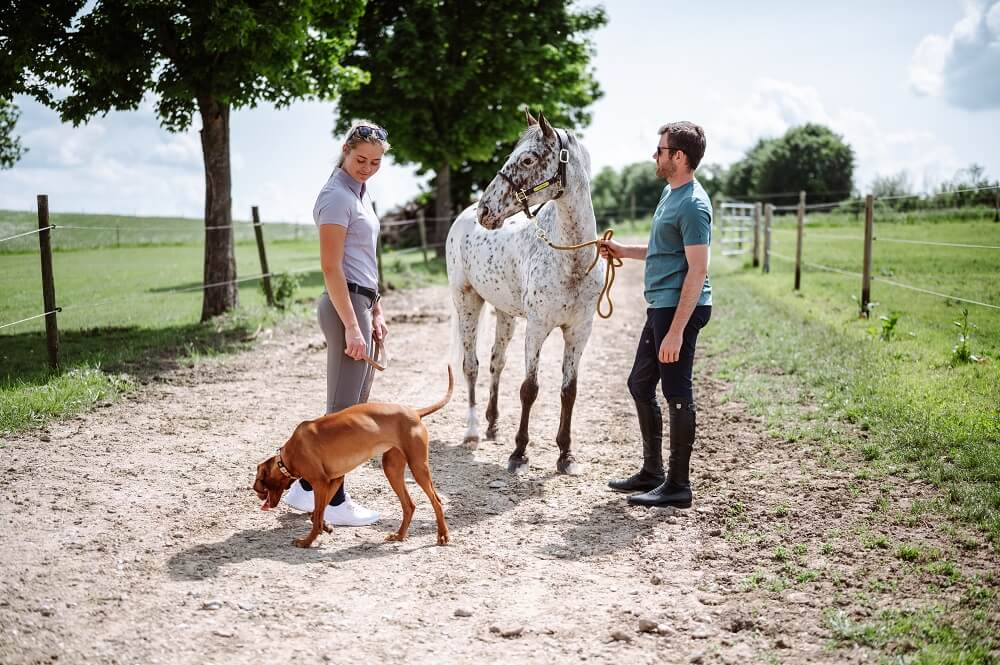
(458, 475)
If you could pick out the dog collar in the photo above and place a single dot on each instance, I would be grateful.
(283, 468)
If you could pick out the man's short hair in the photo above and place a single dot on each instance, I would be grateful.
(688, 138)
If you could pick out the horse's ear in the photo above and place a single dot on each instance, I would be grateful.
(532, 120)
(547, 130)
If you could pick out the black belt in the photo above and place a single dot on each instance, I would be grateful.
(371, 294)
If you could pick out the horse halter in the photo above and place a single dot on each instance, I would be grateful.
(522, 194)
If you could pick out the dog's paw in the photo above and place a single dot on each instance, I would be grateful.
(302, 542)
(442, 539)
(471, 441)
(327, 528)
(395, 537)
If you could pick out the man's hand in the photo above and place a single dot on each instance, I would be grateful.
(357, 346)
(610, 247)
(670, 348)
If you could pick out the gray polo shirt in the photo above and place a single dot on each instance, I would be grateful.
(345, 201)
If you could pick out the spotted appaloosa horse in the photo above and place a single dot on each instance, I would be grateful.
(509, 265)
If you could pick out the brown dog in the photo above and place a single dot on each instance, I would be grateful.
(323, 450)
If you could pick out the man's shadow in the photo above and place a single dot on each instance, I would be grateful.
(458, 476)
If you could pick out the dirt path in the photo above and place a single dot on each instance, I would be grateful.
(130, 534)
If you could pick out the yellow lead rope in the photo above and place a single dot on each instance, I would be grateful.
(609, 274)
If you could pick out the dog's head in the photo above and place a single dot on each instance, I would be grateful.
(270, 483)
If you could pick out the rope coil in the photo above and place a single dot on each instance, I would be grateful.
(609, 273)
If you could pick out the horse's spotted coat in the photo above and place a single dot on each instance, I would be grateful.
(493, 257)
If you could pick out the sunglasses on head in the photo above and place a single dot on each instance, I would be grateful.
(364, 131)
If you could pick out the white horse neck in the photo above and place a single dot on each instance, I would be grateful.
(574, 221)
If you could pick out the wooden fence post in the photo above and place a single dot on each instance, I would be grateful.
(259, 234)
(756, 234)
(768, 215)
(48, 282)
(422, 227)
(866, 275)
(996, 202)
(798, 241)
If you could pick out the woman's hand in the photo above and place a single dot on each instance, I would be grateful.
(357, 345)
(378, 327)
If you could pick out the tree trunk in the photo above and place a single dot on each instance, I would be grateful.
(220, 294)
(442, 208)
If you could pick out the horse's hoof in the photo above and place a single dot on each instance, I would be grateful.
(471, 441)
(517, 465)
(569, 466)
(491, 433)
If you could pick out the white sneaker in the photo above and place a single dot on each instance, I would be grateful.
(299, 499)
(349, 514)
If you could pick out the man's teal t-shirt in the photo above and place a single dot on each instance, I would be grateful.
(683, 217)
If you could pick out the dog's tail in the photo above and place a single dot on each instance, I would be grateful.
(427, 410)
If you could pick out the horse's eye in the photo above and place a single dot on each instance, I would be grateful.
(527, 160)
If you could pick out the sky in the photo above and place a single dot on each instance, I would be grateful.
(911, 86)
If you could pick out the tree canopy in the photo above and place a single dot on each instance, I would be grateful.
(449, 78)
(810, 157)
(10, 145)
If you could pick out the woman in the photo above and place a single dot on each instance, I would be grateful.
(349, 310)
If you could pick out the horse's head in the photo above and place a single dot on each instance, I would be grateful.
(530, 176)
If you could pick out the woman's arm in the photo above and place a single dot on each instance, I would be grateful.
(331, 260)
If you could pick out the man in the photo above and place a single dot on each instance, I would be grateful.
(680, 304)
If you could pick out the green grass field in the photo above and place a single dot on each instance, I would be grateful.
(82, 231)
(127, 311)
(909, 404)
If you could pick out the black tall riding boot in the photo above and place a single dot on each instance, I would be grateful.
(651, 473)
(676, 491)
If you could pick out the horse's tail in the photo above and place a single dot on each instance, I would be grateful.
(427, 410)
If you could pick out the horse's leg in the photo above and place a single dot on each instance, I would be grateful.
(574, 340)
(469, 304)
(505, 330)
(534, 335)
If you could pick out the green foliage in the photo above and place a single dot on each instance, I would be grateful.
(10, 145)
(892, 185)
(809, 157)
(449, 77)
(961, 353)
(283, 286)
(888, 328)
(739, 180)
(238, 53)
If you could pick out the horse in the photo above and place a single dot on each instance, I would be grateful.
(507, 259)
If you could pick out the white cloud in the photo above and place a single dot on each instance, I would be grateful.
(773, 107)
(962, 67)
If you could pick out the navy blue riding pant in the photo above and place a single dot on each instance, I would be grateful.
(647, 370)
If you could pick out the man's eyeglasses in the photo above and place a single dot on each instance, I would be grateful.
(660, 148)
(364, 131)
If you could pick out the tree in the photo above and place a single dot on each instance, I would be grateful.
(449, 78)
(712, 177)
(205, 57)
(605, 192)
(897, 184)
(811, 158)
(10, 145)
(739, 180)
